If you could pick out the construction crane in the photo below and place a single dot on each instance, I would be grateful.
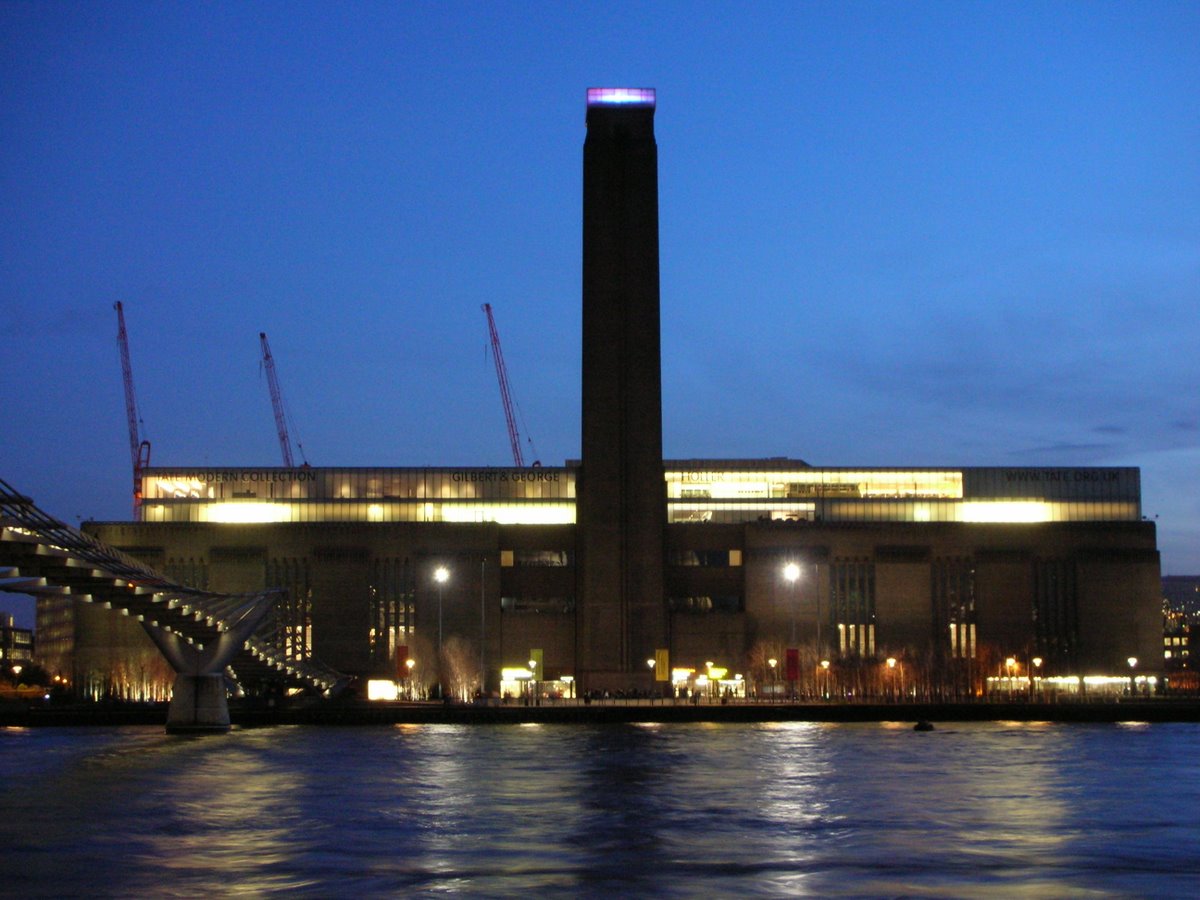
(514, 437)
(281, 424)
(139, 449)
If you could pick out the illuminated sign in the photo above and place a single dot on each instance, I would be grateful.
(237, 475)
(494, 476)
(1059, 476)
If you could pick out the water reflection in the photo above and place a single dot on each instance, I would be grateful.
(669, 810)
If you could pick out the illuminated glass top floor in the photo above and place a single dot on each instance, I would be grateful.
(620, 97)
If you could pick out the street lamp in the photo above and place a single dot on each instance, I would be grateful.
(533, 681)
(482, 626)
(773, 662)
(792, 572)
(441, 575)
(891, 664)
(1132, 684)
(825, 667)
(1036, 676)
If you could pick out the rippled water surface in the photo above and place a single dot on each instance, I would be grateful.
(661, 810)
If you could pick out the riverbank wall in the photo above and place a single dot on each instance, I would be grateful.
(386, 714)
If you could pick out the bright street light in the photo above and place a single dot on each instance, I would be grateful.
(792, 573)
(441, 575)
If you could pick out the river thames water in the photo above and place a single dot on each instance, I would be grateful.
(871, 810)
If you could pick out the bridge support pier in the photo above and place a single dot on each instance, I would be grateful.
(198, 705)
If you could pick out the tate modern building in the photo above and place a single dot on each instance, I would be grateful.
(622, 572)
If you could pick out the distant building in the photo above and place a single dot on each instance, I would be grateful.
(1181, 617)
(16, 644)
(1182, 593)
(624, 572)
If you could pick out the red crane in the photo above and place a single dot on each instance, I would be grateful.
(281, 425)
(505, 397)
(139, 449)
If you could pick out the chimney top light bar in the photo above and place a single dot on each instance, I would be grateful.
(620, 97)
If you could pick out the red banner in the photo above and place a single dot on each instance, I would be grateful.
(792, 664)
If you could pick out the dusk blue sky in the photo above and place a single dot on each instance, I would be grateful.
(905, 234)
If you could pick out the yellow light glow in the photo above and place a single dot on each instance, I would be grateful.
(510, 513)
(246, 513)
(1004, 511)
(382, 689)
(179, 489)
(374, 513)
(735, 485)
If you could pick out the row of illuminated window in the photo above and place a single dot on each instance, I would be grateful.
(535, 558)
(256, 512)
(981, 511)
(360, 484)
(1050, 484)
(1053, 484)
(706, 558)
(743, 483)
(547, 513)
(538, 605)
(704, 603)
(813, 483)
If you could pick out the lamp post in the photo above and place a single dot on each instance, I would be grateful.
(1132, 683)
(408, 664)
(773, 662)
(792, 572)
(441, 575)
(483, 625)
(1036, 677)
(825, 669)
(533, 682)
(650, 663)
(891, 665)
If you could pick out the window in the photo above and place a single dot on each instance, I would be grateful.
(852, 583)
(714, 558)
(537, 605)
(705, 604)
(552, 558)
(1055, 614)
(953, 588)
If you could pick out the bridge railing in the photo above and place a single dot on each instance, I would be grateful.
(212, 612)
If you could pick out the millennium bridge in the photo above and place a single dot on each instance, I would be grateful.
(208, 638)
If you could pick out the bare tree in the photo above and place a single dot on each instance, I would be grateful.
(460, 667)
(766, 677)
